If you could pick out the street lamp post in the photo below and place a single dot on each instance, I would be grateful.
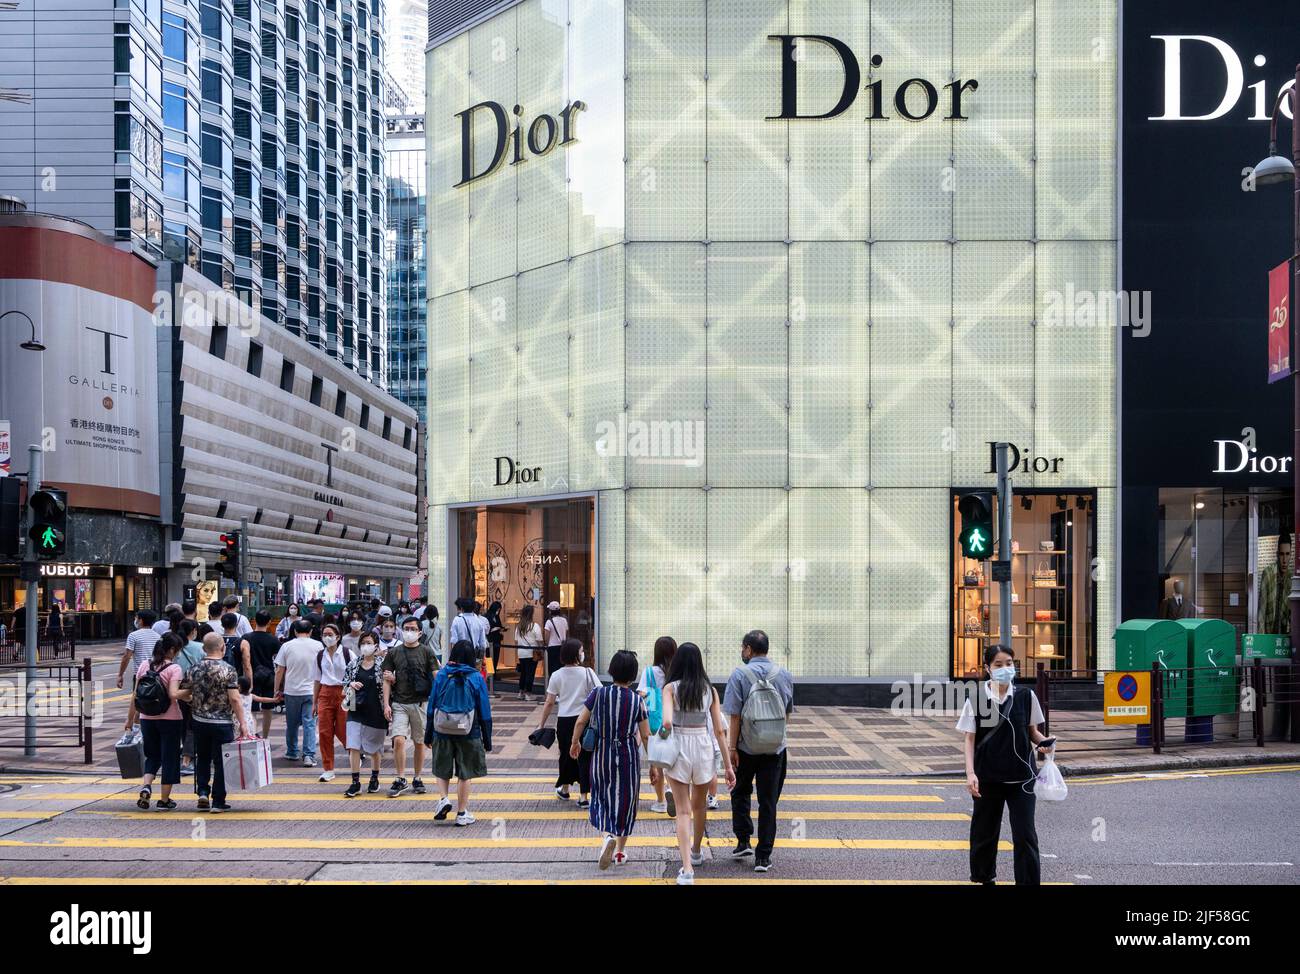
(1274, 170)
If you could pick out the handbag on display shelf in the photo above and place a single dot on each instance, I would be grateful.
(1044, 575)
(1044, 615)
(1046, 650)
(1015, 547)
(973, 626)
(970, 579)
(1048, 545)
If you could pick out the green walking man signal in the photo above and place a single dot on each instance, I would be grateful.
(48, 510)
(976, 510)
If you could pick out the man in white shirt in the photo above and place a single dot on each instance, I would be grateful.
(556, 631)
(295, 679)
(231, 604)
(468, 624)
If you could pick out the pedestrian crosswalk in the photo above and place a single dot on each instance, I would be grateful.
(861, 829)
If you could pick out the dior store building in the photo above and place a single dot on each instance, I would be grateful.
(727, 300)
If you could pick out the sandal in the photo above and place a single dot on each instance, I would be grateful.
(143, 801)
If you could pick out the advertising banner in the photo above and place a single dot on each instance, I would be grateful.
(1279, 322)
(329, 586)
(90, 399)
(5, 452)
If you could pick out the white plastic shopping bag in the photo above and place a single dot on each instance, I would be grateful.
(247, 763)
(1050, 786)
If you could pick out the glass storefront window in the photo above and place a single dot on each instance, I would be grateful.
(1053, 593)
(530, 553)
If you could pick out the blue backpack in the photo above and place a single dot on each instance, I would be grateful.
(455, 706)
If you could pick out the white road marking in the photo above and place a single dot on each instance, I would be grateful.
(1223, 864)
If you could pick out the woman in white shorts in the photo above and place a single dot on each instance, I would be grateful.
(690, 707)
(366, 725)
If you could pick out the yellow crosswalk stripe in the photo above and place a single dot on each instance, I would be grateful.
(483, 793)
(372, 842)
(487, 815)
(30, 814)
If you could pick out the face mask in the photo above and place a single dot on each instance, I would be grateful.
(410, 638)
(582, 656)
(293, 612)
(1003, 674)
(368, 649)
(390, 633)
(329, 640)
(356, 625)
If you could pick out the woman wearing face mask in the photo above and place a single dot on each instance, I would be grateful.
(327, 703)
(1001, 731)
(566, 691)
(284, 628)
(352, 638)
(366, 724)
(388, 637)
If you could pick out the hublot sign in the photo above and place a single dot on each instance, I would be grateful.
(544, 133)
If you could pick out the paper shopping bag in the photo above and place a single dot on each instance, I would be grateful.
(247, 764)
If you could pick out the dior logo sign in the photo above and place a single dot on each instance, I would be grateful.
(542, 135)
(915, 99)
(1225, 63)
(1238, 456)
(508, 472)
(1023, 463)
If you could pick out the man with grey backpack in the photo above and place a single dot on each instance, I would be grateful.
(758, 701)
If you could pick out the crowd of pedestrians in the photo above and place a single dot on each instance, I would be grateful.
(377, 676)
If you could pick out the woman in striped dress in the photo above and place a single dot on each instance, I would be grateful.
(619, 716)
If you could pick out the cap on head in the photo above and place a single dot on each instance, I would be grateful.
(554, 606)
(385, 611)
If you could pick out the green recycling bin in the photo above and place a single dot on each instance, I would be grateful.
(1142, 643)
(1212, 654)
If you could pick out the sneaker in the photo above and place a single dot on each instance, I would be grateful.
(562, 794)
(354, 789)
(417, 786)
(620, 859)
(670, 806)
(203, 805)
(398, 787)
(165, 804)
(583, 802)
(464, 818)
(762, 865)
(326, 776)
(684, 878)
(308, 761)
(186, 769)
(659, 807)
(441, 809)
(713, 803)
(607, 852)
(741, 851)
(697, 858)
(220, 807)
(143, 801)
(374, 782)
(292, 757)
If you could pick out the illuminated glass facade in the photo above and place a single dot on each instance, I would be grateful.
(407, 262)
(772, 348)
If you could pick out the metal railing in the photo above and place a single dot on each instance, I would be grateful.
(49, 647)
(1254, 703)
(61, 696)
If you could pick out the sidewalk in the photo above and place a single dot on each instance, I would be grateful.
(828, 741)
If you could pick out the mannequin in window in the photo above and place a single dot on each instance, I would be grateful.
(1176, 606)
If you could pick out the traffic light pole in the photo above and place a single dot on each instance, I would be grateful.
(243, 565)
(1004, 542)
(34, 472)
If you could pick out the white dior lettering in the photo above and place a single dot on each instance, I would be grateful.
(1246, 460)
(1235, 82)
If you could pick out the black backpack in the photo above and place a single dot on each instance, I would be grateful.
(151, 696)
(234, 654)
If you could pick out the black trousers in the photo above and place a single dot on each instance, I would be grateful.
(527, 670)
(208, 739)
(769, 772)
(162, 748)
(571, 770)
(986, 827)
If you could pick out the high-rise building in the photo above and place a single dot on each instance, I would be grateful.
(405, 257)
(243, 139)
(406, 32)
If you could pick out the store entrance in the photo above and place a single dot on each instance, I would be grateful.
(528, 553)
(1053, 595)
